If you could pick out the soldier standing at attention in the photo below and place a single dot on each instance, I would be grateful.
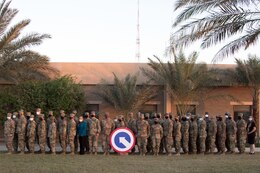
(76, 119)
(143, 132)
(94, 131)
(107, 126)
(52, 132)
(211, 136)
(62, 130)
(31, 133)
(185, 134)
(156, 136)
(87, 120)
(15, 141)
(37, 114)
(42, 133)
(167, 134)
(231, 133)
(177, 136)
(241, 134)
(221, 135)
(49, 121)
(193, 134)
(9, 129)
(207, 119)
(131, 124)
(227, 139)
(202, 134)
(21, 130)
(71, 132)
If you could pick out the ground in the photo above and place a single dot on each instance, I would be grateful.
(131, 163)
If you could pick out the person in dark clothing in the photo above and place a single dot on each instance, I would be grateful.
(82, 130)
(251, 134)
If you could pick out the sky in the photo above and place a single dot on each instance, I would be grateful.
(105, 30)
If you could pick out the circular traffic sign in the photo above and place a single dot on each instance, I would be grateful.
(122, 140)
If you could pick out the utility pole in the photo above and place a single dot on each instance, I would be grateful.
(138, 34)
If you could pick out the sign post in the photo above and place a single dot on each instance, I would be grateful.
(122, 140)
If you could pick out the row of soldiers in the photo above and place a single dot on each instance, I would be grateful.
(154, 133)
(194, 134)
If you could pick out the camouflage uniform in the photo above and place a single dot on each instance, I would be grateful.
(193, 134)
(202, 134)
(42, 133)
(131, 124)
(185, 135)
(107, 126)
(177, 136)
(143, 132)
(9, 128)
(49, 121)
(94, 130)
(21, 130)
(156, 136)
(52, 133)
(231, 133)
(227, 138)
(62, 131)
(72, 128)
(241, 134)
(120, 122)
(31, 133)
(221, 136)
(167, 135)
(149, 146)
(15, 141)
(211, 136)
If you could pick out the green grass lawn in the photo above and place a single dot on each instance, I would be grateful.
(132, 163)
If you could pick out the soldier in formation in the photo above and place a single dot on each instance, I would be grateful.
(167, 134)
(9, 129)
(143, 132)
(42, 133)
(31, 133)
(62, 130)
(94, 131)
(156, 136)
(107, 126)
(194, 135)
(71, 132)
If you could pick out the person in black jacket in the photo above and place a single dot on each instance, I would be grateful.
(251, 134)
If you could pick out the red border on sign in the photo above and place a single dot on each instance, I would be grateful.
(125, 128)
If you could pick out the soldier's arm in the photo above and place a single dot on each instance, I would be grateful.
(148, 129)
(98, 126)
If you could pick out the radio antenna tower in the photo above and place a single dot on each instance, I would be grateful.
(138, 34)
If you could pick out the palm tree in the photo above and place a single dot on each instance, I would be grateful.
(215, 21)
(184, 80)
(247, 73)
(17, 62)
(125, 95)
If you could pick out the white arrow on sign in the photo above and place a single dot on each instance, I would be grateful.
(124, 142)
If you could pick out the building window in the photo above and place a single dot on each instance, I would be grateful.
(92, 107)
(148, 108)
(189, 109)
(245, 109)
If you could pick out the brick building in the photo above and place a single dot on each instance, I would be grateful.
(90, 74)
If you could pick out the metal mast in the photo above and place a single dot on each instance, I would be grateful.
(138, 34)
